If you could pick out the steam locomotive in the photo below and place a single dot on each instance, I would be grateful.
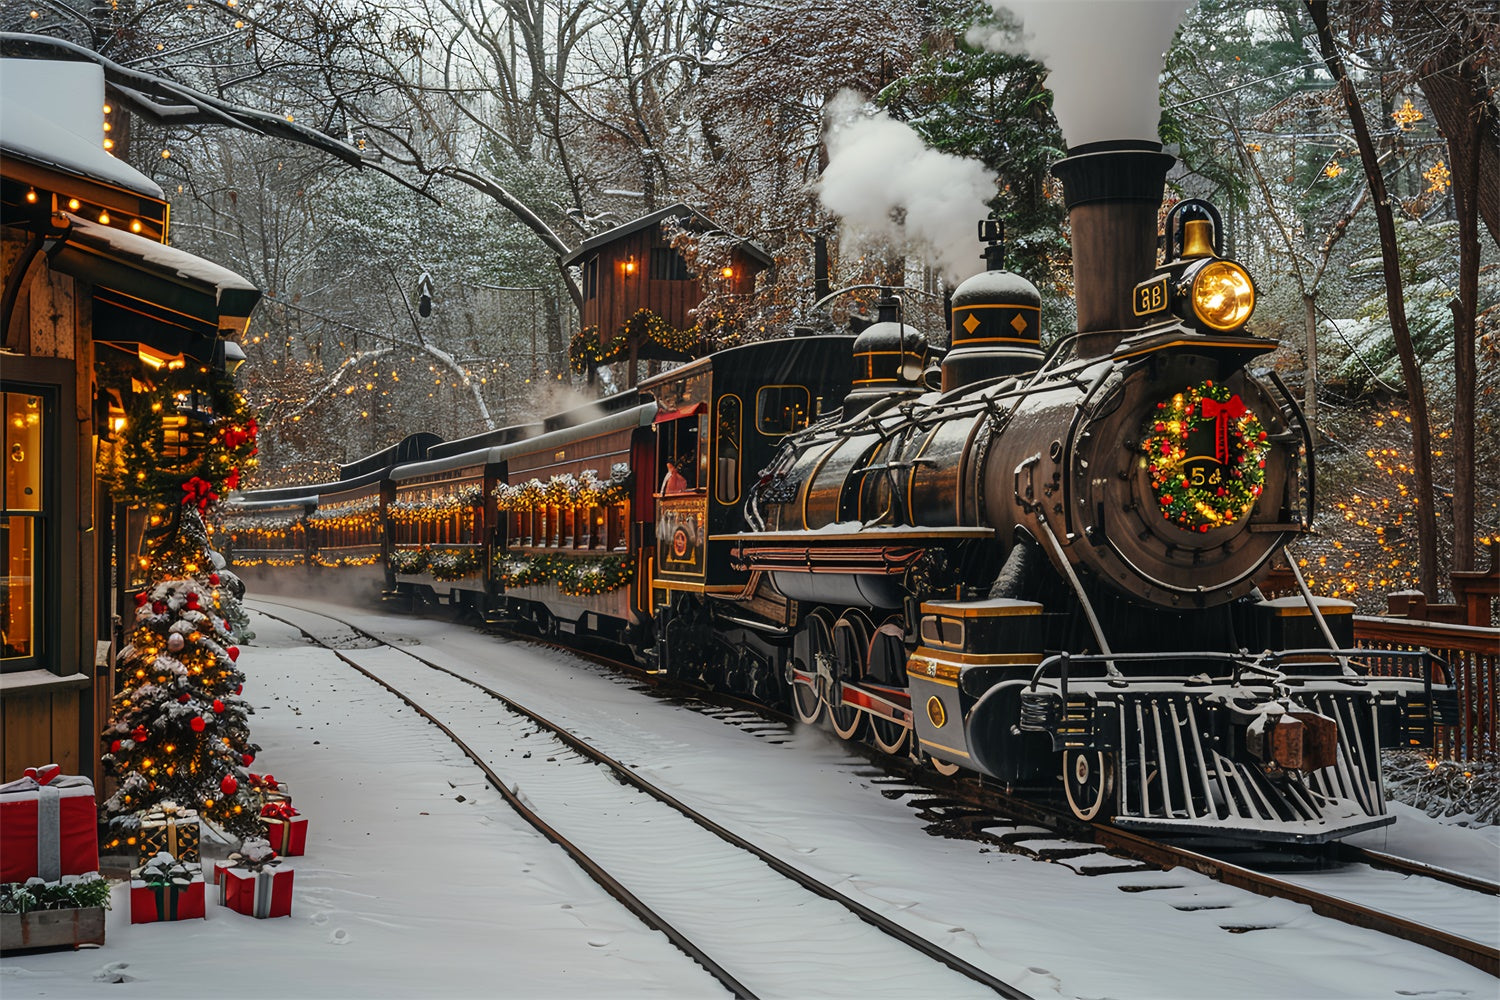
(1038, 566)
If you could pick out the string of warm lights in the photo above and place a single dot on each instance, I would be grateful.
(581, 576)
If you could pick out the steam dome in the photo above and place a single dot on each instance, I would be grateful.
(997, 327)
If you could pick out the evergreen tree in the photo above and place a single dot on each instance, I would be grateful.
(179, 731)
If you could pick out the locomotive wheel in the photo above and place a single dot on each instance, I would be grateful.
(887, 736)
(807, 701)
(942, 767)
(851, 644)
(1088, 782)
(807, 704)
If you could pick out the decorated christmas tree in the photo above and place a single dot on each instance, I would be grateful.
(180, 731)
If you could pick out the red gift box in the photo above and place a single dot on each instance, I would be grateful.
(48, 826)
(257, 890)
(285, 829)
(166, 889)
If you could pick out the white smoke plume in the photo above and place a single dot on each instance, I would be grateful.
(1104, 60)
(884, 183)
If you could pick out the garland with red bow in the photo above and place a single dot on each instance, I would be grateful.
(189, 438)
(1202, 492)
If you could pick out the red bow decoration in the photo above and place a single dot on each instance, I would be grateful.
(265, 781)
(45, 774)
(1222, 414)
(278, 810)
(198, 491)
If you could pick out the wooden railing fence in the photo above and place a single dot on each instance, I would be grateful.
(1473, 657)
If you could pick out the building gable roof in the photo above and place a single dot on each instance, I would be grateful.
(680, 211)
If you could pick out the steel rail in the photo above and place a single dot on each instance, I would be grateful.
(1481, 956)
(596, 871)
(1390, 862)
(628, 776)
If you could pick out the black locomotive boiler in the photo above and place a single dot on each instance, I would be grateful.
(1040, 566)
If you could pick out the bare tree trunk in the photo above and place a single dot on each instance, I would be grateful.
(1416, 395)
(1465, 308)
(1310, 386)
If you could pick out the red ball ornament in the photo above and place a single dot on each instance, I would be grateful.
(218, 705)
(229, 786)
(234, 655)
(213, 579)
(141, 599)
(248, 758)
(114, 746)
(184, 697)
(139, 734)
(238, 688)
(192, 601)
(159, 607)
(198, 724)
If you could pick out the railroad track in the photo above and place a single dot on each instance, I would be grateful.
(785, 908)
(981, 812)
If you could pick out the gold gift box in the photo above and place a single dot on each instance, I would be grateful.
(172, 829)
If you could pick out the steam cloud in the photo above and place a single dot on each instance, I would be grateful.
(1104, 59)
(884, 183)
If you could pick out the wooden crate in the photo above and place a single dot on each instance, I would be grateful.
(51, 929)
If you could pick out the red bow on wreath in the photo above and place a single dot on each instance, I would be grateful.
(198, 491)
(1222, 414)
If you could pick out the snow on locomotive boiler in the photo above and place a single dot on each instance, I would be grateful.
(1072, 542)
(1040, 566)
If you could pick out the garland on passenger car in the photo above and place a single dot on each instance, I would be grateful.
(588, 349)
(1189, 496)
(446, 564)
(564, 490)
(437, 508)
(350, 514)
(586, 576)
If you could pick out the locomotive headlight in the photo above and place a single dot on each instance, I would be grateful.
(1222, 294)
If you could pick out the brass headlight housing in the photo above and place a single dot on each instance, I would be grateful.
(1222, 294)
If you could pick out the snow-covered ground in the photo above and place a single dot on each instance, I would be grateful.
(420, 881)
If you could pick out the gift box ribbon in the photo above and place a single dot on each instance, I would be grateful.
(47, 781)
(167, 880)
(264, 881)
(277, 810)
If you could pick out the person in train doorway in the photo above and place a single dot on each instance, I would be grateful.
(674, 481)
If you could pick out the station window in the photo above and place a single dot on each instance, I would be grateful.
(727, 450)
(667, 265)
(781, 409)
(23, 527)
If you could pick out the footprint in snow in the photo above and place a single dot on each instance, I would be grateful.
(339, 936)
(114, 972)
(318, 919)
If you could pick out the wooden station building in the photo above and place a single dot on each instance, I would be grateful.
(93, 299)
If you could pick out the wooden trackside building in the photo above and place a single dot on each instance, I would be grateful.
(634, 267)
(93, 298)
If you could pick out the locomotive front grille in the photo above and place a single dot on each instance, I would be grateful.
(1177, 775)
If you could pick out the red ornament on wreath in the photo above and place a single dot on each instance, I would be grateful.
(1205, 452)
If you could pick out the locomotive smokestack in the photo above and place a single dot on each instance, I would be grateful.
(1113, 191)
